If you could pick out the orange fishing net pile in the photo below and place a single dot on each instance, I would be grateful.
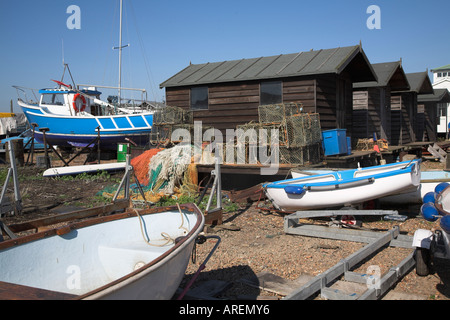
(141, 164)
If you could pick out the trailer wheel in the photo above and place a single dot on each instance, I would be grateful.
(423, 261)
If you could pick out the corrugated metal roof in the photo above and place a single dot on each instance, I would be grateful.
(385, 73)
(420, 82)
(446, 67)
(283, 65)
(439, 95)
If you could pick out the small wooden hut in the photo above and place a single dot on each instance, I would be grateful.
(404, 124)
(427, 108)
(372, 101)
(226, 94)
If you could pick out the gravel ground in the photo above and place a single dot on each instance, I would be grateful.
(254, 242)
(257, 243)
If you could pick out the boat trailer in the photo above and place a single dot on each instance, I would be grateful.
(377, 286)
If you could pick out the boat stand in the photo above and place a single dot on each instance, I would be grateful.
(376, 286)
(48, 145)
(342, 212)
(125, 183)
(213, 216)
(7, 206)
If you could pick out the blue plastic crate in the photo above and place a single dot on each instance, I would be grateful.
(335, 142)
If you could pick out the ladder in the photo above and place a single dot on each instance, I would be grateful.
(437, 152)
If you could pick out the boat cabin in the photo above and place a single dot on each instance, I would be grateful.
(69, 102)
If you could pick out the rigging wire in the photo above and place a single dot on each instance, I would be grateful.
(113, 24)
(144, 54)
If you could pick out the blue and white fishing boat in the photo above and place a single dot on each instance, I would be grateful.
(343, 187)
(75, 117)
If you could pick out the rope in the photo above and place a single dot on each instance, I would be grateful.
(165, 235)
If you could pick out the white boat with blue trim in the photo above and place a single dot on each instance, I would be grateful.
(75, 118)
(344, 187)
(429, 179)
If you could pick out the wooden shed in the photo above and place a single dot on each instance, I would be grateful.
(226, 94)
(372, 101)
(404, 123)
(428, 107)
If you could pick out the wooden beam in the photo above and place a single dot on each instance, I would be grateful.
(79, 214)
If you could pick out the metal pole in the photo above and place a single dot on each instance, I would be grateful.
(17, 196)
(219, 184)
(120, 51)
(98, 145)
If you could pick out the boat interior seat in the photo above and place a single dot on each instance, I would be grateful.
(118, 261)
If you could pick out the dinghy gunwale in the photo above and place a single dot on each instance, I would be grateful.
(128, 278)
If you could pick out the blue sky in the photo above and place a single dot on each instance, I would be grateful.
(166, 35)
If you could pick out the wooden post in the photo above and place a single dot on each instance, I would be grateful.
(47, 162)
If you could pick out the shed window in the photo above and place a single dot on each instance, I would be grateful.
(199, 98)
(271, 92)
(442, 109)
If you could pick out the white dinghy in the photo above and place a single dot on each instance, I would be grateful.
(133, 255)
(341, 188)
(429, 179)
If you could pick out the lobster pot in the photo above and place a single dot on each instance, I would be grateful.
(252, 133)
(184, 132)
(277, 113)
(280, 132)
(216, 150)
(241, 153)
(312, 154)
(303, 130)
(308, 155)
(188, 117)
(291, 155)
(228, 152)
(161, 134)
(171, 115)
(252, 153)
(164, 134)
(247, 133)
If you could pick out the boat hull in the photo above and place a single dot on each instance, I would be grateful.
(343, 188)
(414, 195)
(88, 168)
(108, 257)
(80, 131)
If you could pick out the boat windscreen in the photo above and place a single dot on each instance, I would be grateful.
(53, 99)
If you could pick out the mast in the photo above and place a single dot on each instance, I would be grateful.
(120, 50)
(120, 47)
